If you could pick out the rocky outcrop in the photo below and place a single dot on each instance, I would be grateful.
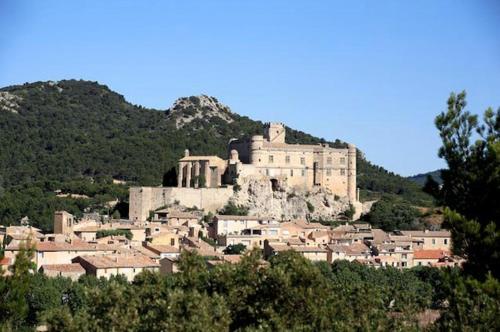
(186, 109)
(9, 102)
(289, 203)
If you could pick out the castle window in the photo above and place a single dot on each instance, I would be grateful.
(291, 172)
(303, 172)
(271, 159)
(342, 160)
(342, 171)
(445, 241)
(287, 159)
(329, 172)
(267, 171)
(329, 160)
(302, 161)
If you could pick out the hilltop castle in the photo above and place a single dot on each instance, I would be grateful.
(301, 166)
(206, 181)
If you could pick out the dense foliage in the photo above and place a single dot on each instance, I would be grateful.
(39, 200)
(471, 184)
(289, 293)
(76, 129)
(391, 214)
(114, 232)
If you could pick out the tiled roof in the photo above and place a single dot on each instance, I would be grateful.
(352, 249)
(430, 254)
(284, 247)
(74, 267)
(75, 245)
(119, 261)
(160, 248)
(5, 261)
(442, 233)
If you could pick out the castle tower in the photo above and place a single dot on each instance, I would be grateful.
(256, 153)
(274, 132)
(351, 173)
(63, 222)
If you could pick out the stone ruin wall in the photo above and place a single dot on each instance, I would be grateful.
(145, 199)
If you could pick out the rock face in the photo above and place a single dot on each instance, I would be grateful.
(186, 109)
(288, 203)
(9, 102)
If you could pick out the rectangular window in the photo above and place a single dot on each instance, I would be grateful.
(303, 172)
(445, 241)
(302, 161)
(328, 172)
(291, 172)
(271, 159)
(433, 241)
(329, 160)
(267, 171)
(342, 171)
(287, 159)
(342, 160)
(172, 242)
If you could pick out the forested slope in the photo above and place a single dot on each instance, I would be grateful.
(74, 129)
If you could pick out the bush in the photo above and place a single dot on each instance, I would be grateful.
(310, 207)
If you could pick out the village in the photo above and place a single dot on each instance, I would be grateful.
(103, 249)
(165, 221)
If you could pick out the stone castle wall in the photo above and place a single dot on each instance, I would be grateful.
(145, 199)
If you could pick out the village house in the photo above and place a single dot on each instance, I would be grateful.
(72, 270)
(116, 264)
(431, 239)
(349, 252)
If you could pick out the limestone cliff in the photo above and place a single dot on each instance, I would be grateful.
(290, 203)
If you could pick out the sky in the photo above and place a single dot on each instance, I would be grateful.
(373, 73)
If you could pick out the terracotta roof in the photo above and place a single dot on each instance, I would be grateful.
(119, 261)
(5, 261)
(352, 249)
(146, 252)
(442, 233)
(74, 267)
(75, 245)
(159, 248)
(430, 254)
(317, 234)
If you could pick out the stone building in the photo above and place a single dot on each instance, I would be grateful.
(302, 166)
(206, 182)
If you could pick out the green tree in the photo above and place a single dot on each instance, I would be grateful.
(390, 213)
(431, 187)
(471, 184)
(235, 249)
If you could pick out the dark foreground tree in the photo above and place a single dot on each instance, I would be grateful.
(471, 184)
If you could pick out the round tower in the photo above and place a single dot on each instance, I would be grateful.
(351, 172)
(256, 153)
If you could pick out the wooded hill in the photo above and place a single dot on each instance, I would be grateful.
(71, 129)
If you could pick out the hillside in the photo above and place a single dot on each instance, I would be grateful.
(66, 130)
(420, 179)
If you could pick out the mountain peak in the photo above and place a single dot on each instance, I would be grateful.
(203, 107)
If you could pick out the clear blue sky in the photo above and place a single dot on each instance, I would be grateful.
(374, 73)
